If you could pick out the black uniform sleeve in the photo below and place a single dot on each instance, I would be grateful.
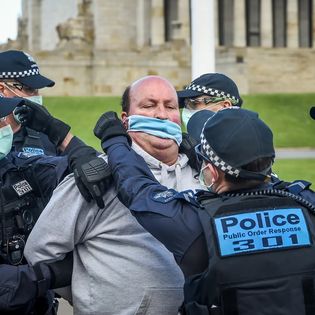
(20, 286)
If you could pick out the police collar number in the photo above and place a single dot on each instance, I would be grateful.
(246, 233)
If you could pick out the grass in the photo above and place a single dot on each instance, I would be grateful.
(292, 169)
(287, 115)
(81, 113)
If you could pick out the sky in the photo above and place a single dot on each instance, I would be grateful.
(9, 13)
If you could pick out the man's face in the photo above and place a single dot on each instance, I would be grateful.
(3, 122)
(207, 102)
(153, 97)
(11, 88)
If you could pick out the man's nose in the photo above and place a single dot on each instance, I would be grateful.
(161, 112)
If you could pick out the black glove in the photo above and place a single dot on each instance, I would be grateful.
(92, 174)
(108, 126)
(38, 118)
(188, 147)
(61, 272)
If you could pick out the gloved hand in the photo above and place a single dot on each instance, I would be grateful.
(188, 147)
(38, 118)
(92, 174)
(108, 126)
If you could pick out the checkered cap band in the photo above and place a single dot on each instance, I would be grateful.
(212, 92)
(216, 160)
(20, 74)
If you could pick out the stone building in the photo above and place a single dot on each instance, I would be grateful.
(97, 47)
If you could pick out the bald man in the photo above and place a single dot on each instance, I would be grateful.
(119, 268)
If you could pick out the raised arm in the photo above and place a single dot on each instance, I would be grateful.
(91, 174)
(169, 216)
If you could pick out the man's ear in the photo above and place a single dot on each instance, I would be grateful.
(214, 173)
(124, 117)
(227, 104)
(1, 87)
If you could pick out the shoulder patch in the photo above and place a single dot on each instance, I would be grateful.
(29, 151)
(171, 194)
(164, 196)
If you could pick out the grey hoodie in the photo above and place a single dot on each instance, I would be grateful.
(119, 268)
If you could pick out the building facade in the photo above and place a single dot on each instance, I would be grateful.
(97, 47)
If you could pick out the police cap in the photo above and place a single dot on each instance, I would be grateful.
(231, 138)
(195, 126)
(20, 66)
(7, 105)
(212, 84)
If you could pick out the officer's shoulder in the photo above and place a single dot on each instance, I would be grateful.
(294, 187)
(23, 158)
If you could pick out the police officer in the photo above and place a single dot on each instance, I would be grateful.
(20, 77)
(211, 91)
(244, 246)
(26, 186)
(27, 183)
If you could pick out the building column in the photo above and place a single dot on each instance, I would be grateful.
(292, 24)
(157, 22)
(266, 23)
(216, 22)
(34, 24)
(313, 27)
(202, 37)
(184, 20)
(239, 23)
(140, 24)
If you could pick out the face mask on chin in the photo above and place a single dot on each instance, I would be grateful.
(157, 127)
(6, 139)
(36, 99)
(201, 178)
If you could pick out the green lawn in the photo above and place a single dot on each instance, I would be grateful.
(290, 170)
(81, 113)
(287, 115)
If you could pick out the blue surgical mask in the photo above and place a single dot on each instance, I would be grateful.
(186, 114)
(156, 127)
(36, 99)
(6, 139)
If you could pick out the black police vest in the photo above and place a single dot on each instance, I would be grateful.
(32, 142)
(261, 257)
(19, 210)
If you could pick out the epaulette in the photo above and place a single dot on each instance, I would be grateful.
(298, 186)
